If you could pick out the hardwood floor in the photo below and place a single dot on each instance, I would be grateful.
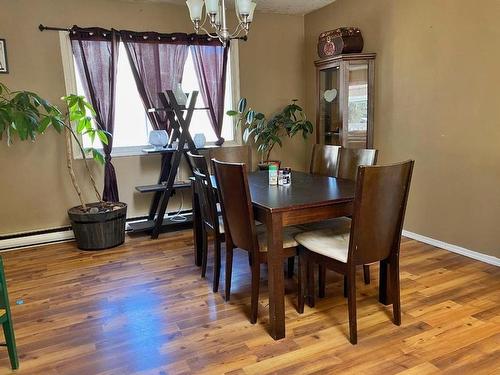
(143, 309)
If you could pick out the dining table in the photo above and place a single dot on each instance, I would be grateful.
(308, 198)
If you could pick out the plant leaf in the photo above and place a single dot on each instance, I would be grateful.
(81, 125)
(250, 116)
(103, 136)
(91, 134)
(246, 134)
(90, 108)
(242, 105)
(44, 124)
(57, 123)
(97, 156)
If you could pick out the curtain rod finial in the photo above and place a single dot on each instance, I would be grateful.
(41, 27)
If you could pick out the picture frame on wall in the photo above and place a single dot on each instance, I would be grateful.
(4, 66)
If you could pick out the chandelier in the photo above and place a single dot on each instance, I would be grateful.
(215, 14)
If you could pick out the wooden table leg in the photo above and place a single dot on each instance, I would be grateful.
(384, 293)
(276, 277)
(197, 230)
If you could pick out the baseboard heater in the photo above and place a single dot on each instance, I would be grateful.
(62, 234)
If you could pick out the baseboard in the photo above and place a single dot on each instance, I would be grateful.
(454, 248)
(63, 234)
(36, 240)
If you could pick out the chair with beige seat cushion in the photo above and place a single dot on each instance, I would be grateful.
(324, 160)
(328, 242)
(289, 234)
(351, 158)
(211, 221)
(375, 235)
(346, 162)
(240, 229)
(232, 154)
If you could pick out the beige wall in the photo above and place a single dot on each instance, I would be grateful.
(271, 75)
(437, 102)
(35, 191)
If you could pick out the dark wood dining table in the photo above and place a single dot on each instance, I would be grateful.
(309, 198)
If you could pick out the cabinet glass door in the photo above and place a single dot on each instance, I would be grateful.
(356, 131)
(330, 119)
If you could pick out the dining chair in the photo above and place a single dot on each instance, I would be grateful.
(346, 162)
(349, 161)
(351, 158)
(324, 160)
(232, 154)
(211, 221)
(6, 320)
(240, 228)
(374, 236)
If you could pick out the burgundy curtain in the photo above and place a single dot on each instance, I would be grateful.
(210, 61)
(96, 56)
(157, 62)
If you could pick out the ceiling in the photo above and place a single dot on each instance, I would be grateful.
(270, 6)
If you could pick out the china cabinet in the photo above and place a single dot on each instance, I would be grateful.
(345, 100)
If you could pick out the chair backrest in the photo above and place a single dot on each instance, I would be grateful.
(198, 162)
(206, 193)
(324, 160)
(233, 154)
(379, 209)
(351, 158)
(236, 203)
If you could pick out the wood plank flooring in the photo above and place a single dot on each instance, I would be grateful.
(143, 309)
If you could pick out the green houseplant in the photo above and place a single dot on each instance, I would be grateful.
(267, 133)
(25, 115)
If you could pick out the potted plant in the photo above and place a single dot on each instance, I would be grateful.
(268, 133)
(97, 225)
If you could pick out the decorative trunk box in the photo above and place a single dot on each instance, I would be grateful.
(340, 41)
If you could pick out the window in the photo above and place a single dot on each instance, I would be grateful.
(131, 122)
(201, 122)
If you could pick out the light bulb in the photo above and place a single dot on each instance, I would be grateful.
(252, 10)
(212, 6)
(244, 7)
(195, 9)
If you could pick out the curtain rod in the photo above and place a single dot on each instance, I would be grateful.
(43, 28)
(50, 28)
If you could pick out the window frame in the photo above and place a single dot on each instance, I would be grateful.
(71, 88)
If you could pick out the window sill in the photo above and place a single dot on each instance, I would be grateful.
(123, 152)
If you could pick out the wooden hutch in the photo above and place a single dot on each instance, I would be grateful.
(345, 100)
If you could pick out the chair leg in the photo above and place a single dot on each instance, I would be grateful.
(366, 273)
(204, 253)
(291, 267)
(11, 343)
(383, 290)
(217, 264)
(396, 293)
(310, 284)
(254, 310)
(322, 281)
(345, 286)
(302, 279)
(229, 270)
(351, 302)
